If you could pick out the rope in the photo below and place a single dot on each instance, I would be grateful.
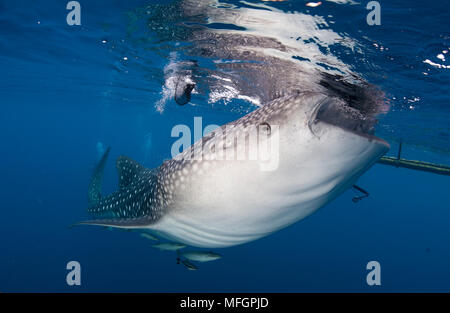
(416, 165)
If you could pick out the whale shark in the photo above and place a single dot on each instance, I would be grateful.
(318, 116)
(324, 147)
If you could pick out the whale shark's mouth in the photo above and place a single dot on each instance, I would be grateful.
(352, 107)
(337, 112)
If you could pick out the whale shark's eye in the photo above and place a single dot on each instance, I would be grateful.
(265, 128)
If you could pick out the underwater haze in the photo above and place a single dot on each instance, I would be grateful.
(68, 92)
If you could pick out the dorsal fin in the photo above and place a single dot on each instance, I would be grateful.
(95, 185)
(128, 170)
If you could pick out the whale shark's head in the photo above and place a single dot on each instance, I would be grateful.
(324, 132)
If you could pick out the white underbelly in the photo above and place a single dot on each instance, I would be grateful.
(226, 212)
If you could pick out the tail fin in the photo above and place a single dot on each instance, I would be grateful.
(95, 185)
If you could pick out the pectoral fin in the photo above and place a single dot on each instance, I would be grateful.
(120, 222)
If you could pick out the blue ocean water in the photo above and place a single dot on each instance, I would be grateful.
(65, 89)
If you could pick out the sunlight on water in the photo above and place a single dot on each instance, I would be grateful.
(281, 39)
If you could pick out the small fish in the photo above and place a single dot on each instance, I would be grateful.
(201, 256)
(148, 236)
(189, 265)
(169, 246)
